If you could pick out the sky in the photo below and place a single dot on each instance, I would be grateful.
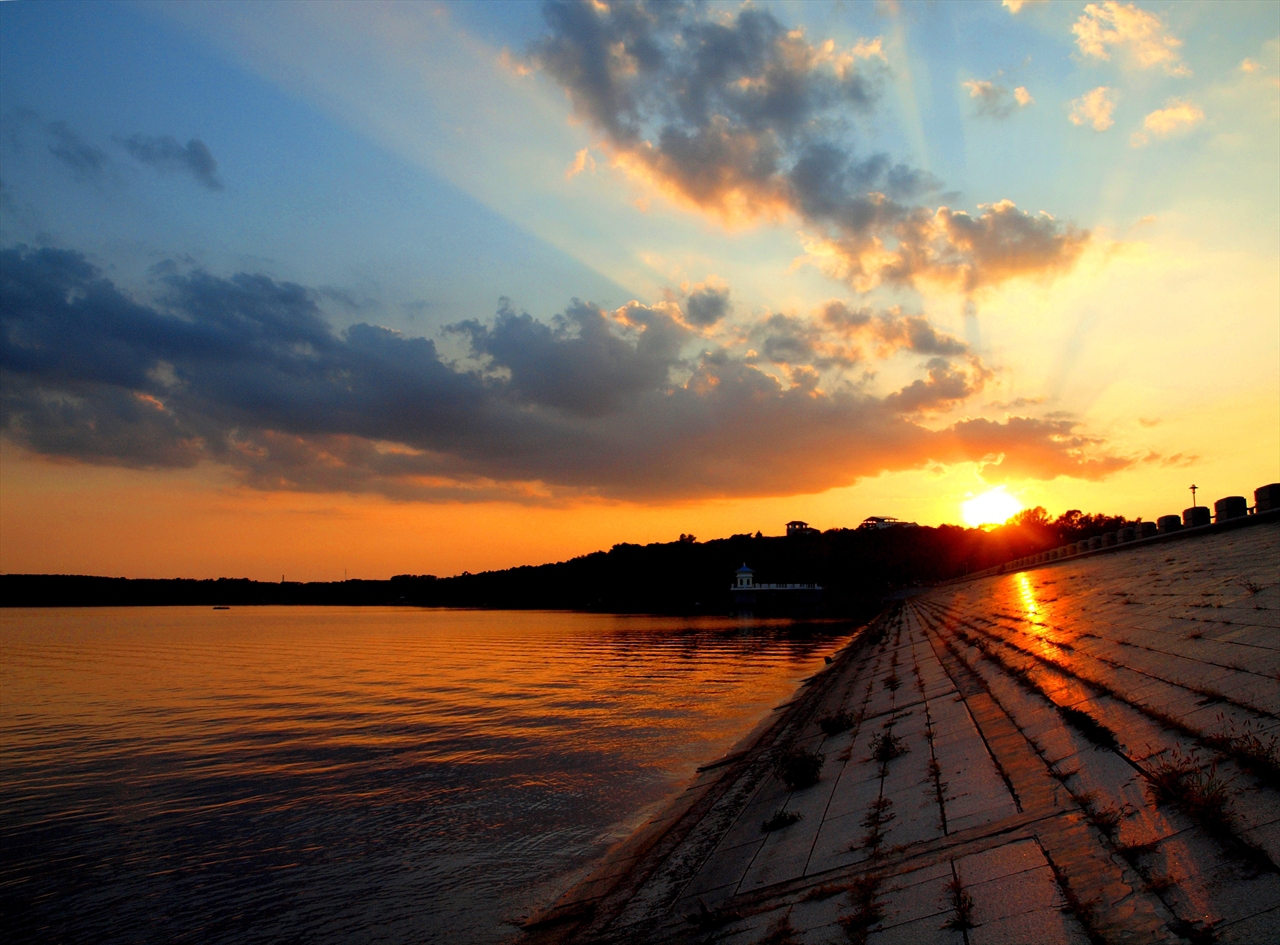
(371, 289)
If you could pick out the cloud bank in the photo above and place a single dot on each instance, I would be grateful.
(245, 372)
(742, 119)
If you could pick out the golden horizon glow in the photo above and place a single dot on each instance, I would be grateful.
(993, 507)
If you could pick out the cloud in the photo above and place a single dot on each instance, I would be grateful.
(1250, 66)
(706, 305)
(740, 118)
(1036, 448)
(246, 373)
(582, 161)
(1094, 108)
(1016, 6)
(1177, 115)
(1140, 34)
(955, 249)
(166, 154)
(996, 101)
(800, 343)
(85, 161)
(587, 362)
(840, 337)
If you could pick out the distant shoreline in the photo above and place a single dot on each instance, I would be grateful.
(857, 570)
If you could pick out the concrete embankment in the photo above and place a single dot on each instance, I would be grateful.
(1086, 752)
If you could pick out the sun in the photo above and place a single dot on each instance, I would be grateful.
(993, 507)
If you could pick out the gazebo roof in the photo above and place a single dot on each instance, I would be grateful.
(744, 569)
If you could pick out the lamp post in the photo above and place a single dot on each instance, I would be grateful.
(1193, 495)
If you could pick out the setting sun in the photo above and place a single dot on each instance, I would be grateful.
(991, 508)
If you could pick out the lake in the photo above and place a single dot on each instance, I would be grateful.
(327, 774)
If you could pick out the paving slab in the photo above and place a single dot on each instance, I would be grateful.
(1002, 689)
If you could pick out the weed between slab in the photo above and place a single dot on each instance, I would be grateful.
(1089, 727)
(781, 818)
(886, 746)
(837, 723)
(1259, 755)
(961, 904)
(781, 932)
(879, 815)
(1105, 817)
(867, 910)
(799, 768)
(1198, 790)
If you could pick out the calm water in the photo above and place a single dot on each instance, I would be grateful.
(347, 775)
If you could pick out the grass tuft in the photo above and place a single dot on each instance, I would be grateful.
(1105, 818)
(782, 932)
(1259, 754)
(866, 910)
(1089, 727)
(799, 768)
(886, 746)
(835, 724)
(781, 818)
(961, 904)
(1183, 781)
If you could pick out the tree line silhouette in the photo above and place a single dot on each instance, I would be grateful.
(857, 567)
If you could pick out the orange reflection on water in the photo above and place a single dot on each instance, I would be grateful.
(465, 761)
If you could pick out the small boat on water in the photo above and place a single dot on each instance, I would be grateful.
(221, 607)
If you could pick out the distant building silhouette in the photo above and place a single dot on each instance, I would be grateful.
(750, 597)
(797, 528)
(884, 521)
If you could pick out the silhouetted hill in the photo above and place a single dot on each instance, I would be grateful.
(686, 576)
(857, 567)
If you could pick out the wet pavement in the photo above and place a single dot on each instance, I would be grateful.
(1082, 752)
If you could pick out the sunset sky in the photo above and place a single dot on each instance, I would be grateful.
(299, 288)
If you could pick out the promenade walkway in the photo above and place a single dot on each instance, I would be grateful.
(1084, 752)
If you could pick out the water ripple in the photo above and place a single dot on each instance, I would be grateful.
(334, 775)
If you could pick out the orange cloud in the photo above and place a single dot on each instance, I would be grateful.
(1094, 108)
(593, 403)
(736, 117)
(1177, 115)
(1142, 35)
(952, 248)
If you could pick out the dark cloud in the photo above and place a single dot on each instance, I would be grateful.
(166, 154)
(743, 118)
(245, 372)
(72, 151)
(915, 333)
(842, 318)
(714, 109)
(793, 341)
(943, 388)
(585, 363)
(706, 306)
